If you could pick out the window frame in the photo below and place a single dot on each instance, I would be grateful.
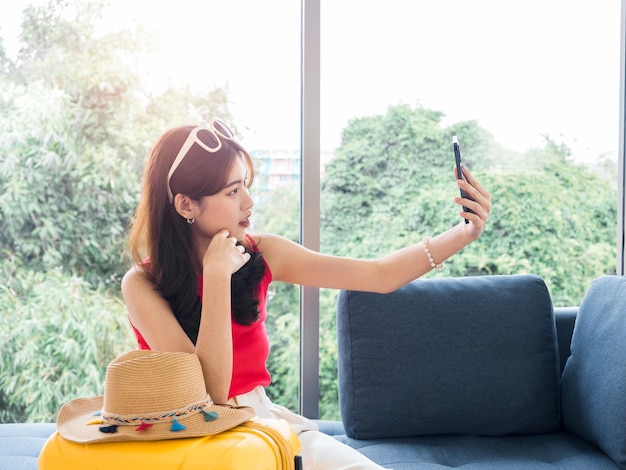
(621, 171)
(310, 202)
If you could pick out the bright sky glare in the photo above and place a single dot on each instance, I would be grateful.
(522, 69)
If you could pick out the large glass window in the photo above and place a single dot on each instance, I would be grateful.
(83, 95)
(531, 89)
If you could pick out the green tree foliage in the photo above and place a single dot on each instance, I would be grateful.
(391, 179)
(66, 186)
(65, 202)
(57, 334)
(62, 48)
(551, 216)
(76, 125)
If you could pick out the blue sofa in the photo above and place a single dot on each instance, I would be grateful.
(471, 373)
(477, 373)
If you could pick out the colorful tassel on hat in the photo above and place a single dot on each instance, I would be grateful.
(209, 415)
(109, 429)
(176, 426)
(143, 426)
(95, 421)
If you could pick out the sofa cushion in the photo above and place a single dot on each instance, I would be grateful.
(594, 380)
(21, 443)
(472, 355)
(551, 451)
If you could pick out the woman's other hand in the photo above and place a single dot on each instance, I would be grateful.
(224, 253)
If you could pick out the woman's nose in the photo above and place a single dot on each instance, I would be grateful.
(248, 201)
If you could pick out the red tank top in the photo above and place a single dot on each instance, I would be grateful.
(250, 344)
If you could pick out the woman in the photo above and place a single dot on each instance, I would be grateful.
(201, 280)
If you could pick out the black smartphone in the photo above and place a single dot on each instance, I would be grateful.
(459, 173)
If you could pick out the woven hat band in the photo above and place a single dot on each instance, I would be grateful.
(153, 418)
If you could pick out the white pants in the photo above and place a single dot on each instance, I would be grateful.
(319, 451)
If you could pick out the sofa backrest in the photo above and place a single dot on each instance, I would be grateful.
(472, 355)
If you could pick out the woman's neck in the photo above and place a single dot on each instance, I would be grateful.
(201, 244)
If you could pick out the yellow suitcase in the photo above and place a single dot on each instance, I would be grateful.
(258, 444)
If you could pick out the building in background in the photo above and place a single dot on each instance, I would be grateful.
(279, 168)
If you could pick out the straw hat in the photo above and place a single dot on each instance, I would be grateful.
(148, 396)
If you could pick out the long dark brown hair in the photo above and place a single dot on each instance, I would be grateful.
(160, 239)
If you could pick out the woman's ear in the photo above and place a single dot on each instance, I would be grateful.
(183, 205)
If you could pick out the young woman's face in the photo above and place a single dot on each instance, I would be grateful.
(228, 209)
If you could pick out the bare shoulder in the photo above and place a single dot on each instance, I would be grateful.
(275, 249)
(151, 314)
(135, 281)
(270, 241)
(285, 257)
(144, 302)
(275, 246)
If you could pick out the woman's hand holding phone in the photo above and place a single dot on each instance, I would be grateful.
(459, 171)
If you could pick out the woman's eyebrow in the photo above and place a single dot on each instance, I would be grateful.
(237, 182)
(233, 183)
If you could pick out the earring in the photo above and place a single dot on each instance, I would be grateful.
(191, 220)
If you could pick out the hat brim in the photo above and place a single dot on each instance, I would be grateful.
(74, 418)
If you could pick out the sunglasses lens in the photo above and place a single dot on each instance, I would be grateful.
(223, 129)
(208, 139)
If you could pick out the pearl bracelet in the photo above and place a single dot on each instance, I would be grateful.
(433, 265)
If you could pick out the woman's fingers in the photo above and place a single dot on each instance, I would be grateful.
(225, 251)
(478, 200)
